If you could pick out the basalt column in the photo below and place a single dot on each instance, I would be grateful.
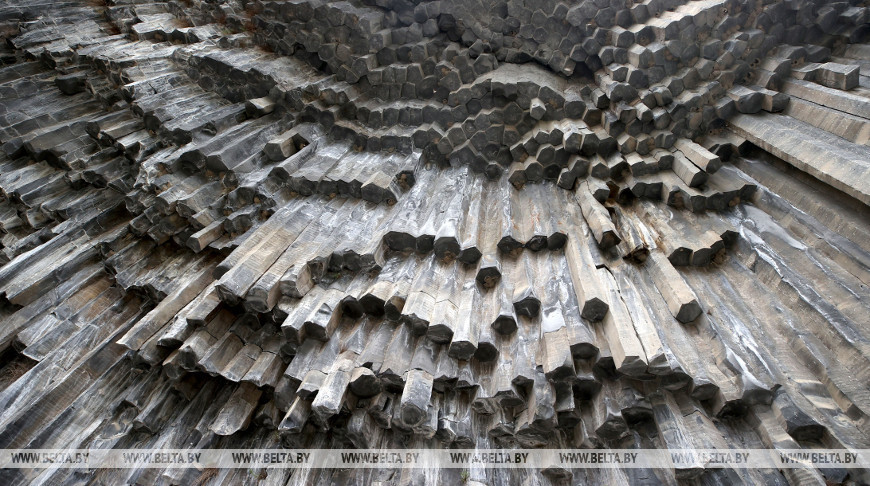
(391, 224)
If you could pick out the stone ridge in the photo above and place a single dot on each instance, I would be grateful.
(389, 224)
(656, 66)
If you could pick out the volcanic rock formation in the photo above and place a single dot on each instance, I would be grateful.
(450, 223)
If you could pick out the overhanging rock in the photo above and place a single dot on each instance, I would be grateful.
(434, 224)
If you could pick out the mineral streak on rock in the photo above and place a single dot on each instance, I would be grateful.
(454, 223)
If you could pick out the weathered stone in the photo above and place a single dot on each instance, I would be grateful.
(71, 84)
(837, 76)
(373, 222)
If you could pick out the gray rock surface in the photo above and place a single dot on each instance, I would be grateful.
(395, 223)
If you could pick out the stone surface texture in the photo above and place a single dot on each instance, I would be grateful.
(450, 223)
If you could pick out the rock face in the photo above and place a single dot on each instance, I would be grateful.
(396, 223)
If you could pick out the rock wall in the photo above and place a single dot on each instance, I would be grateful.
(389, 224)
